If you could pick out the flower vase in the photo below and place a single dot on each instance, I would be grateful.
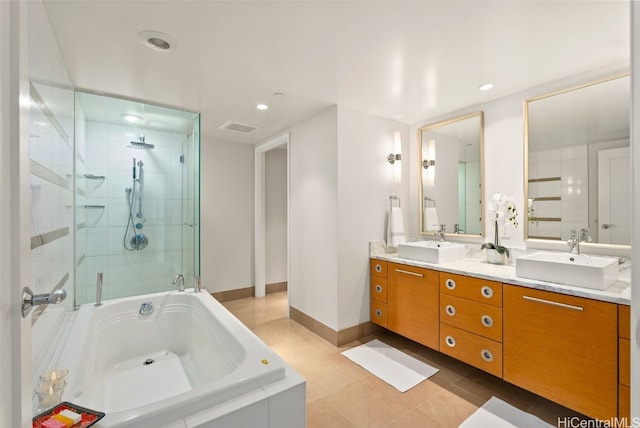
(495, 258)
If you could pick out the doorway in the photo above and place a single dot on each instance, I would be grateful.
(271, 230)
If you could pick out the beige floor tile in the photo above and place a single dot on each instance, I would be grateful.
(322, 414)
(341, 394)
(369, 403)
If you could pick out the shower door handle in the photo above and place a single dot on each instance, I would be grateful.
(29, 300)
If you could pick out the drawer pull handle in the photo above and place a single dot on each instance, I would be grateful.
(409, 273)
(552, 303)
(487, 321)
(450, 284)
(378, 313)
(378, 267)
(378, 288)
(486, 355)
(487, 292)
(451, 342)
(450, 310)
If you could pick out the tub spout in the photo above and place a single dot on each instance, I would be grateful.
(179, 280)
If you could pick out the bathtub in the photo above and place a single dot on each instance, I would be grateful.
(187, 363)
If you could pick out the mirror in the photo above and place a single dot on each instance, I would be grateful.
(452, 175)
(577, 166)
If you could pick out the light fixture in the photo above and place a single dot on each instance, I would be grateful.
(397, 148)
(262, 107)
(131, 118)
(157, 41)
(486, 86)
(427, 163)
(392, 158)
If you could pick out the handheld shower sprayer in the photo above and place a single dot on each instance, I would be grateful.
(134, 168)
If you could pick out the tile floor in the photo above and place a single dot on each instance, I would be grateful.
(341, 394)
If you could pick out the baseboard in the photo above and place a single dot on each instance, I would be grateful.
(336, 338)
(242, 293)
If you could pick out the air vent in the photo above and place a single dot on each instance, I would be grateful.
(239, 127)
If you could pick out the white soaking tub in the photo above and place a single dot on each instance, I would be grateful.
(188, 363)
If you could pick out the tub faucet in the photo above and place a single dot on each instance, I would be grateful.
(178, 279)
(98, 290)
(196, 284)
(573, 242)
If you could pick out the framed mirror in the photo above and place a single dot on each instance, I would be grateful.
(451, 165)
(577, 163)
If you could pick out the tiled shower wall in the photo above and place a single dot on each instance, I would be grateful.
(108, 172)
(559, 185)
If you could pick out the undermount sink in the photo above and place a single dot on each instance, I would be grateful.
(431, 251)
(580, 270)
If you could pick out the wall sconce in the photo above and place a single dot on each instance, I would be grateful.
(393, 158)
(396, 156)
(427, 163)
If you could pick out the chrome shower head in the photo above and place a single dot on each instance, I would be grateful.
(141, 144)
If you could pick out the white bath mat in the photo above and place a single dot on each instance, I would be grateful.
(398, 369)
(495, 413)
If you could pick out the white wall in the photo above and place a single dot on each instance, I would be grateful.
(226, 215)
(276, 216)
(313, 280)
(365, 182)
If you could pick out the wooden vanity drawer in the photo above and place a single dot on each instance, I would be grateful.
(476, 289)
(378, 289)
(379, 313)
(480, 352)
(378, 268)
(478, 318)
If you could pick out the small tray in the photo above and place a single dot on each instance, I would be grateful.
(89, 417)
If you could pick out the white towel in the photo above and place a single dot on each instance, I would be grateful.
(430, 219)
(395, 228)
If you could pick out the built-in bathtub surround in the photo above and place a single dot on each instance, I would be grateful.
(187, 361)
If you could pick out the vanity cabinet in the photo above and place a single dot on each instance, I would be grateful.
(378, 292)
(471, 321)
(412, 303)
(624, 361)
(564, 348)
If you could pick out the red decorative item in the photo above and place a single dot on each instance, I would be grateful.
(89, 417)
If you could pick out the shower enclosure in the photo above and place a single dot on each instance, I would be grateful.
(137, 197)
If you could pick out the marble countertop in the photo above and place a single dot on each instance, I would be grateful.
(475, 265)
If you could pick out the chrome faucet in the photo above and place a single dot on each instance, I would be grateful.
(98, 290)
(573, 242)
(585, 235)
(441, 231)
(196, 284)
(179, 279)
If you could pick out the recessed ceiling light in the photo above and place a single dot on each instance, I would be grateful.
(262, 107)
(131, 118)
(486, 86)
(157, 41)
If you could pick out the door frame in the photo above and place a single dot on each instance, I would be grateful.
(15, 330)
(260, 210)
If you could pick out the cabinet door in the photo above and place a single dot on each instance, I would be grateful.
(563, 348)
(413, 307)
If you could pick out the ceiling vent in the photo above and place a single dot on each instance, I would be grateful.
(239, 127)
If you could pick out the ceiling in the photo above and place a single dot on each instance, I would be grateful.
(404, 60)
